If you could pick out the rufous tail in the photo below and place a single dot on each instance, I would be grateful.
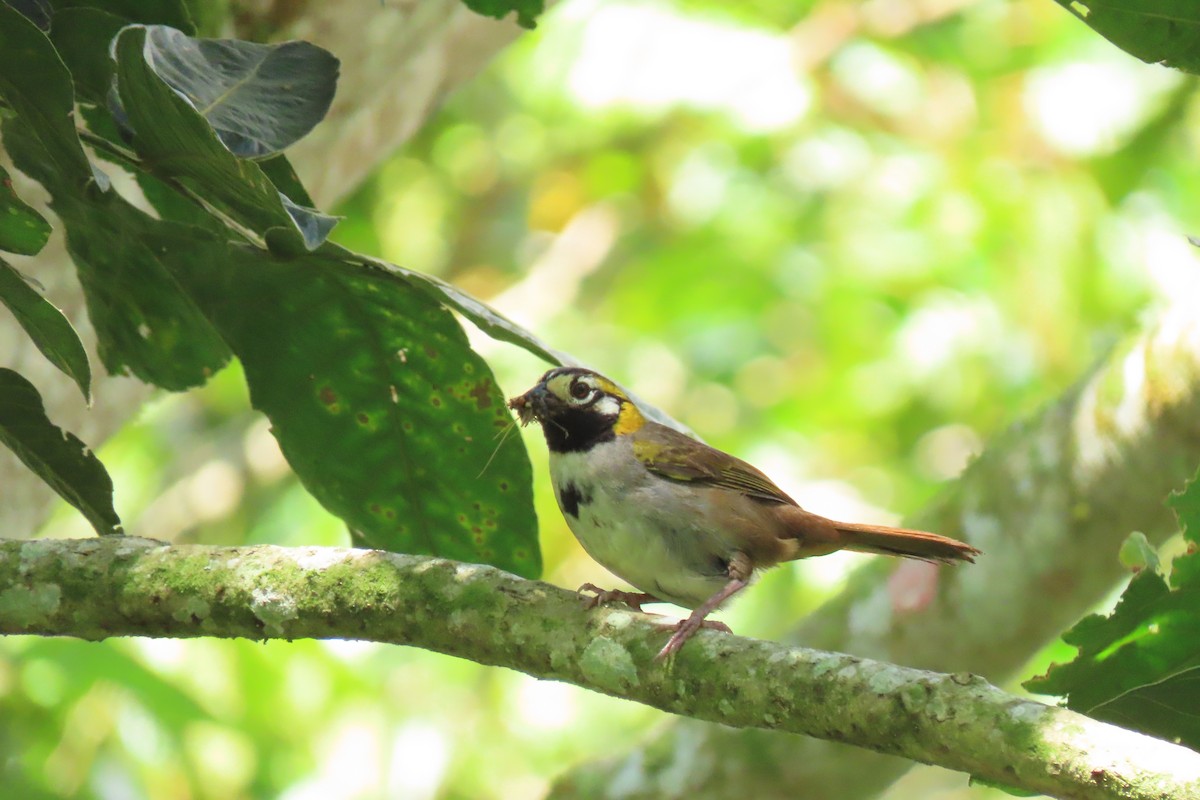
(904, 542)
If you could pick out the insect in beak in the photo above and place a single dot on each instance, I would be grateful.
(529, 406)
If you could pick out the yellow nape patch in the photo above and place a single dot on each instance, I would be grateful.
(629, 420)
(608, 387)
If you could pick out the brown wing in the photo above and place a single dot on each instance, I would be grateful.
(674, 455)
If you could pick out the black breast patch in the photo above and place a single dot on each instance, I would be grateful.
(569, 498)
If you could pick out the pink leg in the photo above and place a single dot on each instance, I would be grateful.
(686, 628)
(632, 599)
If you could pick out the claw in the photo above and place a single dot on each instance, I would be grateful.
(602, 596)
(684, 630)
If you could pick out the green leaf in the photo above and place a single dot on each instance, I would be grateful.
(22, 230)
(1156, 31)
(36, 83)
(258, 98)
(173, 206)
(1138, 667)
(284, 176)
(161, 12)
(488, 320)
(381, 407)
(83, 33)
(178, 145)
(483, 316)
(1169, 708)
(46, 325)
(1187, 507)
(82, 37)
(38, 11)
(58, 457)
(527, 11)
(143, 321)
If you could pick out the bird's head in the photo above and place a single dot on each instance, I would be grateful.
(577, 409)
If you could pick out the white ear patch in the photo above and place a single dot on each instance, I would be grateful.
(608, 405)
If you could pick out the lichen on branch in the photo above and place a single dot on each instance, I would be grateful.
(116, 586)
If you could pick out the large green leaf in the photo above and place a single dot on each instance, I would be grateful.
(82, 37)
(163, 12)
(22, 230)
(483, 316)
(143, 322)
(1156, 31)
(58, 457)
(258, 98)
(177, 144)
(384, 411)
(284, 176)
(1139, 667)
(83, 32)
(37, 11)
(46, 325)
(36, 83)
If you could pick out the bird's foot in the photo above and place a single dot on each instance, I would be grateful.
(684, 630)
(603, 596)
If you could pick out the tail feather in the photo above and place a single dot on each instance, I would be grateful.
(904, 542)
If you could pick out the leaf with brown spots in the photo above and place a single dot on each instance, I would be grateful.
(379, 403)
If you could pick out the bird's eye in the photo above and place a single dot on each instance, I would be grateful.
(580, 390)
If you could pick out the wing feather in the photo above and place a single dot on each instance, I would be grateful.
(671, 454)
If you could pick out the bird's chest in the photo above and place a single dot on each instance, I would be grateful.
(652, 534)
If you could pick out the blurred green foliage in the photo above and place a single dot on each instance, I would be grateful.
(849, 242)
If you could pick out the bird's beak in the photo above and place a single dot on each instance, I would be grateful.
(531, 405)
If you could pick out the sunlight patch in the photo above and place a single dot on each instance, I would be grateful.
(655, 59)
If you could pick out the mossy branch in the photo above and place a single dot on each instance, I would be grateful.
(1049, 502)
(117, 586)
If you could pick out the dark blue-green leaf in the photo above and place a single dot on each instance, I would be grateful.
(36, 84)
(178, 145)
(313, 225)
(259, 98)
(22, 230)
(50, 330)
(1156, 31)
(57, 457)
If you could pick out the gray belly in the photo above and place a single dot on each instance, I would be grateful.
(653, 539)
